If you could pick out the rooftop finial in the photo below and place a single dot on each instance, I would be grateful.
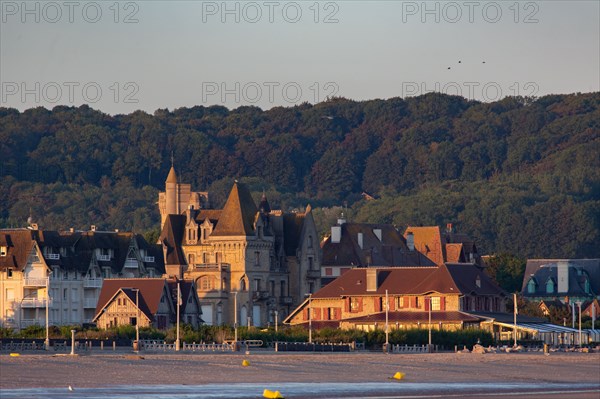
(172, 159)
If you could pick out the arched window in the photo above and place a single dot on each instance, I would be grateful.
(206, 283)
(243, 284)
(191, 259)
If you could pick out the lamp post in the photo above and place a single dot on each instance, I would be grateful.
(310, 318)
(387, 330)
(177, 342)
(137, 320)
(235, 318)
(47, 341)
(429, 311)
(579, 305)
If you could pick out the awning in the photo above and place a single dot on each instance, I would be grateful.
(540, 327)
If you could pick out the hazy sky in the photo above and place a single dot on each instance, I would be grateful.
(123, 56)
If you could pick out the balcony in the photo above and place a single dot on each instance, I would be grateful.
(148, 258)
(286, 300)
(104, 258)
(131, 263)
(35, 282)
(90, 303)
(52, 256)
(260, 295)
(31, 322)
(313, 273)
(92, 283)
(212, 266)
(34, 303)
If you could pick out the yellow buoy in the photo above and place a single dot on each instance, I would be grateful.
(398, 376)
(245, 363)
(272, 394)
(15, 354)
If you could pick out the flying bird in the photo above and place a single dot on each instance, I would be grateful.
(71, 388)
(460, 62)
(449, 68)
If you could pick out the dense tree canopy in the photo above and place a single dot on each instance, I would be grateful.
(520, 175)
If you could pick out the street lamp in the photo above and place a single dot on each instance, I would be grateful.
(579, 305)
(137, 320)
(235, 318)
(310, 318)
(429, 311)
(387, 332)
(47, 341)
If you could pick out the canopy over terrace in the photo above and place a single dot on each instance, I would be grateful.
(552, 334)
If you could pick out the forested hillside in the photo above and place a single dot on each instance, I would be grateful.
(519, 175)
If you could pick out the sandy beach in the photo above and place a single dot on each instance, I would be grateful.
(99, 369)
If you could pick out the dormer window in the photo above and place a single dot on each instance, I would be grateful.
(531, 286)
(550, 286)
(310, 242)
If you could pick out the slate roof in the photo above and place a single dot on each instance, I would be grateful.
(171, 237)
(79, 248)
(186, 288)
(397, 281)
(151, 290)
(19, 244)
(238, 214)
(391, 250)
(292, 232)
(579, 269)
(172, 176)
(465, 276)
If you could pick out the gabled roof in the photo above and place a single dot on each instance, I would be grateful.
(171, 238)
(19, 244)
(150, 292)
(187, 289)
(390, 250)
(578, 271)
(238, 215)
(465, 276)
(397, 281)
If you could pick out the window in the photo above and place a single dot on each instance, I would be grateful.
(328, 271)
(256, 284)
(133, 321)
(191, 259)
(586, 286)
(3, 251)
(282, 288)
(206, 283)
(256, 258)
(272, 287)
(243, 286)
(310, 263)
(9, 273)
(478, 282)
(310, 242)
(65, 293)
(204, 257)
(435, 303)
(531, 286)
(354, 304)
(550, 286)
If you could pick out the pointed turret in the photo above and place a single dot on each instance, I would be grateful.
(239, 212)
(264, 206)
(171, 193)
(172, 177)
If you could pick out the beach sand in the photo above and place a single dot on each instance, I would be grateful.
(99, 369)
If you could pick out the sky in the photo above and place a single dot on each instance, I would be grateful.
(121, 56)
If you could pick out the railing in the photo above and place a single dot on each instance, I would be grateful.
(148, 258)
(34, 303)
(32, 322)
(92, 283)
(410, 349)
(35, 282)
(89, 303)
(104, 258)
(161, 346)
(212, 266)
(286, 300)
(52, 256)
(313, 274)
(257, 295)
(131, 263)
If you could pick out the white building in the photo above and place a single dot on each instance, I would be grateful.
(69, 266)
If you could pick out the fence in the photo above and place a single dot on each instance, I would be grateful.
(312, 347)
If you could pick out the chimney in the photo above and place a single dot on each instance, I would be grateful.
(371, 280)
(360, 240)
(449, 227)
(34, 226)
(377, 233)
(336, 234)
(341, 219)
(562, 274)
(410, 241)
(93, 227)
